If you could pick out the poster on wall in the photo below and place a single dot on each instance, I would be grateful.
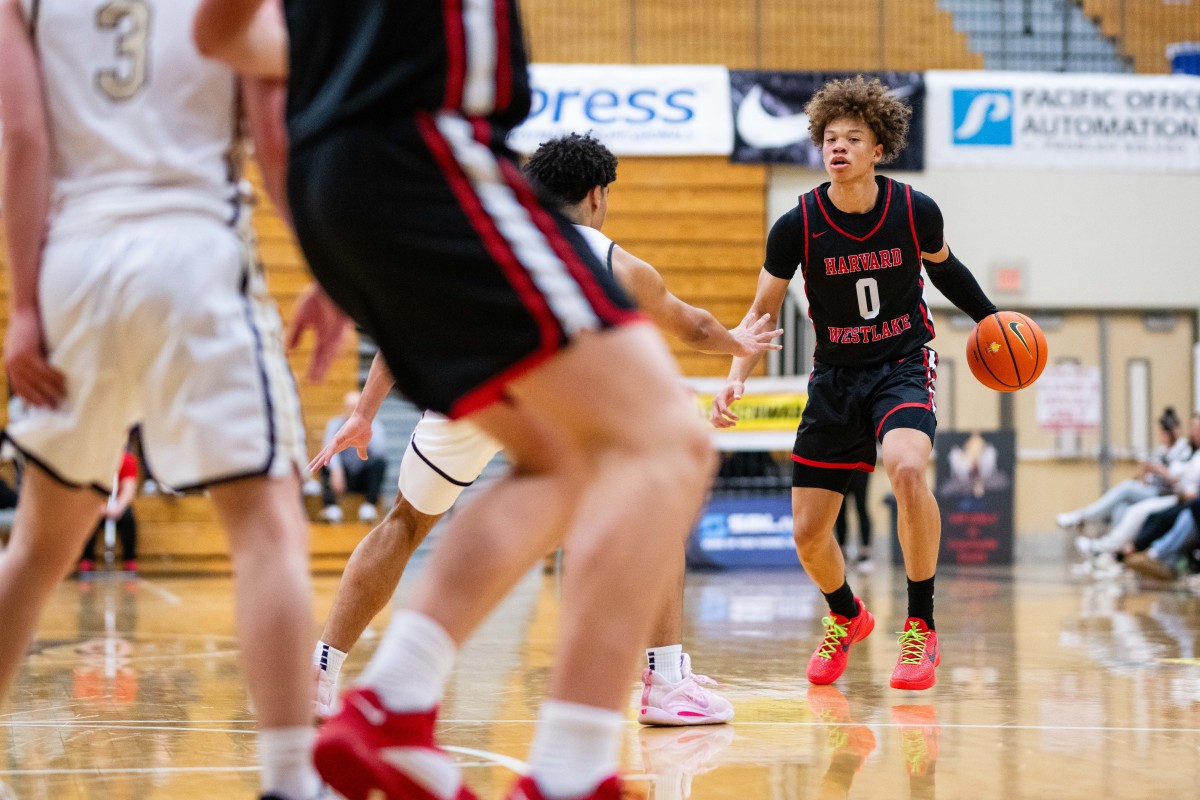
(634, 110)
(1063, 121)
(1068, 397)
(770, 125)
(975, 475)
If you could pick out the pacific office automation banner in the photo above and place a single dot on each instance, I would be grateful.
(771, 126)
(1070, 121)
(635, 110)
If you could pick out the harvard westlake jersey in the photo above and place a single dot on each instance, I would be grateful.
(374, 61)
(862, 272)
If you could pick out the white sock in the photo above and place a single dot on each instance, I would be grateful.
(287, 768)
(667, 661)
(575, 748)
(410, 669)
(329, 659)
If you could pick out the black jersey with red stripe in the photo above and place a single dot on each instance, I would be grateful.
(373, 61)
(862, 272)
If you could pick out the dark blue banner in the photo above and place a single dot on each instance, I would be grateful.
(975, 473)
(744, 532)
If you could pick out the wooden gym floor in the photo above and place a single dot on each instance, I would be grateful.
(1050, 687)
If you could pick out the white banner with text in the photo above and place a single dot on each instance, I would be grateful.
(634, 110)
(1069, 121)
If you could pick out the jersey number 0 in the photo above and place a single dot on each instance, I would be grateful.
(132, 19)
(868, 298)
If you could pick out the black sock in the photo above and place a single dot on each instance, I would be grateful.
(841, 601)
(920, 600)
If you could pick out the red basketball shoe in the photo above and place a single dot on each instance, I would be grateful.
(526, 789)
(919, 655)
(829, 661)
(361, 751)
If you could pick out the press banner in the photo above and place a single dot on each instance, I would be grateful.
(1063, 121)
(771, 126)
(634, 110)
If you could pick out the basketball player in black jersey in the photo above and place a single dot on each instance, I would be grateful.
(416, 220)
(859, 241)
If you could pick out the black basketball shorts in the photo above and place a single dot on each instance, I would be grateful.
(427, 234)
(849, 411)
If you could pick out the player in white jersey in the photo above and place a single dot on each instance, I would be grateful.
(572, 174)
(135, 302)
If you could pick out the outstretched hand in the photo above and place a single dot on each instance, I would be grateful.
(754, 335)
(722, 416)
(329, 324)
(355, 432)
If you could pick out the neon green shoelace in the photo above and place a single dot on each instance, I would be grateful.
(912, 743)
(833, 635)
(912, 644)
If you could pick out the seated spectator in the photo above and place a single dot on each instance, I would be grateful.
(349, 473)
(1152, 481)
(119, 510)
(1162, 558)
(1181, 479)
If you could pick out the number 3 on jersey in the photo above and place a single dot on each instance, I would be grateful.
(132, 19)
(868, 298)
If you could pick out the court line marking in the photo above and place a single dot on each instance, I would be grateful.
(517, 765)
(85, 721)
(126, 771)
(107, 726)
(56, 657)
(161, 591)
(815, 724)
(513, 764)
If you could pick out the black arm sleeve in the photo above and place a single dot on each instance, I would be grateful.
(785, 245)
(956, 282)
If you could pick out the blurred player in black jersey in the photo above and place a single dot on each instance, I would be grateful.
(859, 241)
(417, 221)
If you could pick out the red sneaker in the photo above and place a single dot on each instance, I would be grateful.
(919, 655)
(526, 789)
(361, 749)
(829, 661)
(920, 734)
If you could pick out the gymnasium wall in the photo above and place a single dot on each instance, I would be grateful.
(1083, 239)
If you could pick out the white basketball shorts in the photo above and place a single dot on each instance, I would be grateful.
(443, 457)
(163, 322)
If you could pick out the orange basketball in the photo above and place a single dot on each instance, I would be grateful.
(1007, 351)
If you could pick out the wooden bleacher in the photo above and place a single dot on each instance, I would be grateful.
(769, 34)
(1144, 29)
(702, 223)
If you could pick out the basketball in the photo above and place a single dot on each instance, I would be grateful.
(1007, 351)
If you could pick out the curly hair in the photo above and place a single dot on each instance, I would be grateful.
(564, 169)
(885, 115)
